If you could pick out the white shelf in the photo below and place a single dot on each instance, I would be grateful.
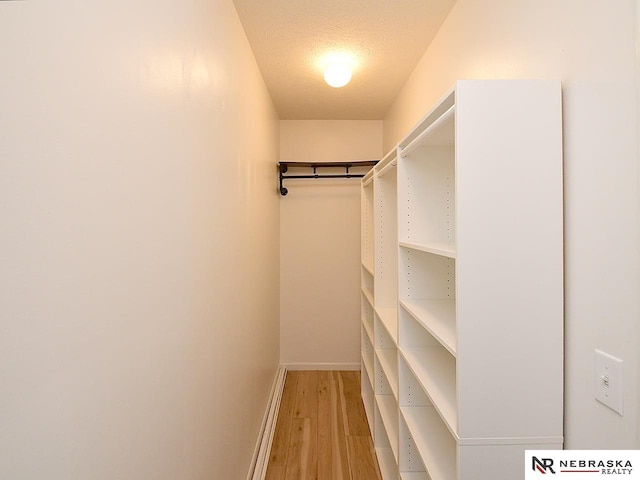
(432, 116)
(388, 161)
(367, 357)
(387, 463)
(368, 295)
(367, 365)
(388, 408)
(367, 317)
(438, 317)
(369, 330)
(445, 249)
(440, 133)
(368, 398)
(414, 476)
(436, 446)
(367, 381)
(388, 358)
(386, 168)
(389, 318)
(368, 178)
(368, 266)
(435, 369)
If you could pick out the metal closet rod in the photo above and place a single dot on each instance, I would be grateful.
(283, 167)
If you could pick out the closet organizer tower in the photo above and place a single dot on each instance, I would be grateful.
(462, 286)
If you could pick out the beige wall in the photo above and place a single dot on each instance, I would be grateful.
(320, 245)
(590, 47)
(138, 242)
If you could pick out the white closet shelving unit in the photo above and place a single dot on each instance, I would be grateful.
(367, 276)
(467, 346)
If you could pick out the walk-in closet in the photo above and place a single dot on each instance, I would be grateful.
(319, 240)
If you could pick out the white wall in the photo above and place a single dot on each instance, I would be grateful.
(320, 244)
(588, 45)
(138, 241)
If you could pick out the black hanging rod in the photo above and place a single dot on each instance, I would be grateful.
(283, 167)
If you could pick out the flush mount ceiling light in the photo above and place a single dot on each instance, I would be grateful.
(337, 74)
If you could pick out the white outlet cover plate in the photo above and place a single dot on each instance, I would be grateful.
(608, 381)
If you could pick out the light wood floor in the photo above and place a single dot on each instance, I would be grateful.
(322, 432)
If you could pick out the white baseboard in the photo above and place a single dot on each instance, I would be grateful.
(322, 366)
(260, 459)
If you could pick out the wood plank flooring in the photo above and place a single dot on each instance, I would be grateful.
(322, 432)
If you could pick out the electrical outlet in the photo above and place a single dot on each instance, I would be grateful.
(608, 381)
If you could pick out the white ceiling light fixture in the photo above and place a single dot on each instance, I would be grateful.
(337, 74)
(384, 39)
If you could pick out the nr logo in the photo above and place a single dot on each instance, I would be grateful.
(543, 465)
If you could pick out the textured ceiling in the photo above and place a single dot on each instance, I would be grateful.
(384, 38)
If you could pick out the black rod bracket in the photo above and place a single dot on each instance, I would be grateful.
(283, 167)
